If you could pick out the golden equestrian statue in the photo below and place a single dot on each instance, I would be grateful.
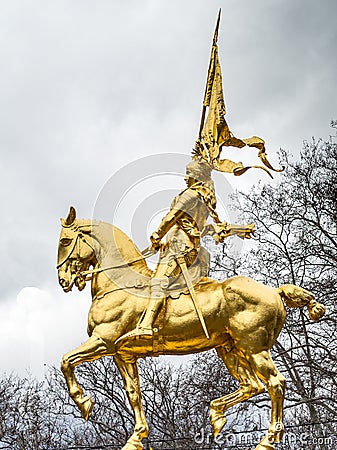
(177, 309)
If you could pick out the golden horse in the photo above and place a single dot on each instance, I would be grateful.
(243, 317)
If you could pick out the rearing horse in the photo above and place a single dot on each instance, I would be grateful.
(243, 317)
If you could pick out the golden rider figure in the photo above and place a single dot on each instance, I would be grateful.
(259, 309)
(182, 226)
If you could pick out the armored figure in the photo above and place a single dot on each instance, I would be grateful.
(182, 226)
(244, 317)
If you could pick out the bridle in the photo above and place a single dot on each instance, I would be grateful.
(76, 243)
(84, 273)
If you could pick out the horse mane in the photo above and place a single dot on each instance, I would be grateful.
(113, 247)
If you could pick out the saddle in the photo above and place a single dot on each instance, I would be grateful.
(177, 285)
(198, 273)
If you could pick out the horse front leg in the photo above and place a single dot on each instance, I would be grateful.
(130, 375)
(92, 349)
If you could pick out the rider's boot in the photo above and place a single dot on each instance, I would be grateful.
(156, 300)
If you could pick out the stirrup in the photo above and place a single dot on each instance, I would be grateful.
(136, 333)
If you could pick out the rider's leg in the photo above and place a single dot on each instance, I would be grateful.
(158, 288)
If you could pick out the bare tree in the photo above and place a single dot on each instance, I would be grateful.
(296, 221)
(296, 242)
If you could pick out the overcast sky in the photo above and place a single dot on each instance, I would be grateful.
(89, 87)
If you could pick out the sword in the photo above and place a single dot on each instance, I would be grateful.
(182, 264)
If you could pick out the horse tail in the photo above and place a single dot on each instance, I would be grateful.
(297, 297)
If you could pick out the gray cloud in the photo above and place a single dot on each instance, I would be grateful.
(86, 88)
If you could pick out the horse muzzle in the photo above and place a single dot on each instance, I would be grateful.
(66, 280)
(76, 279)
(65, 286)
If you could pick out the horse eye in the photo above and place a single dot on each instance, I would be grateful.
(65, 242)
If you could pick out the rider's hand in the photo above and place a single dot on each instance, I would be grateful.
(155, 240)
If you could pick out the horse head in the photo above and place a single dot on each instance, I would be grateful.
(85, 243)
(75, 252)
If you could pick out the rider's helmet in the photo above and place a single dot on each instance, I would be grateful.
(199, 170)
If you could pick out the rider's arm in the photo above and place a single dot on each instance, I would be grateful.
(168, 221)
(180, 206)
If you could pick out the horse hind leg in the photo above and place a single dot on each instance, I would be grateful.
(275, 382)
(250, 386)
(130, 375)
(92, 349)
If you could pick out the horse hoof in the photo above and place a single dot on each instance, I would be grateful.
(218, 421)
(86, 405)
(218, 425)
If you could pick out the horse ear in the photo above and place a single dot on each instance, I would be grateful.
(71, 216)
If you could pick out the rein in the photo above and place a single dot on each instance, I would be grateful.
(79, 236)
(102, 269)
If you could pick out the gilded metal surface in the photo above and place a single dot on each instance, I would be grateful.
(183, 267)
(243, 319)
(214, 133)
(132, 313)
